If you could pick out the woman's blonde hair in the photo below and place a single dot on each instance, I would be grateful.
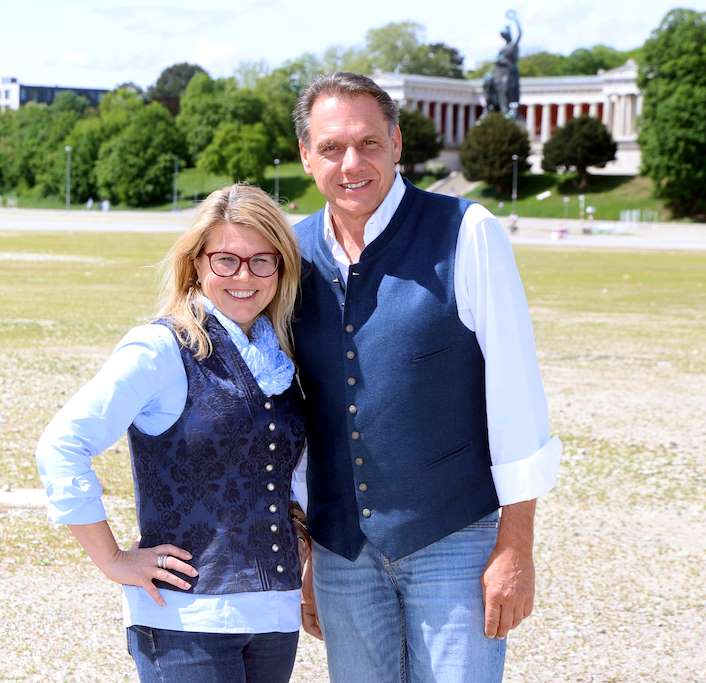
(180, 298)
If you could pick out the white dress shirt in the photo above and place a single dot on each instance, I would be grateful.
(491, 302)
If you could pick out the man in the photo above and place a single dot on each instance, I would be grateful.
(425, 409)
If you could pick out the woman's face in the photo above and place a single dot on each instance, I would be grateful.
(243, 296)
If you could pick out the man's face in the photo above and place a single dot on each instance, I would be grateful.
(352, 154)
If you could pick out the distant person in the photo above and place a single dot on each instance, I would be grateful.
(214, 423)
(425, 409)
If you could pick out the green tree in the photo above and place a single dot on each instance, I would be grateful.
(672, 136)
(171, 84)
(8, 149)
(135, 167)
(420, 141)
(486, 153)
(436, 59)
(202, 110)
(85, 139)
(280, 96)
(118, 108)
(582, 142)
(238, 150)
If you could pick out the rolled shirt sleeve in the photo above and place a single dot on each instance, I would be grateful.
(491, 301)
(143, 382)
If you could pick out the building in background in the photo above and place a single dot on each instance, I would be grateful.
(546, 103)
(14, 94)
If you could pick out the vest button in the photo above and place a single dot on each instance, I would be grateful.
(355, 436)
(274, 528)
(272, 446)
(349, 328)
(270, 486)
(362, 487)
(280, 569)
(359, 461)
(268, 405)
(269, 467)
(351, 381)
(275, 548)
(352, 409)
(271, 426)
(367, 512)
(272, 508)
(350, 355)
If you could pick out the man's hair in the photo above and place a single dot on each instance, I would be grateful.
(340, 84)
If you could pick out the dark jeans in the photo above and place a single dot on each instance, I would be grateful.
(185, 656)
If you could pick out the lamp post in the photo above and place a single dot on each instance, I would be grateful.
(513, 214)
(276, 162)
(174, 185)
(67, 149)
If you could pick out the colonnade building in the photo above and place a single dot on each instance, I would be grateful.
(546, 103)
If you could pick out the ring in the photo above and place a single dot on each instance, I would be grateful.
(162, 561)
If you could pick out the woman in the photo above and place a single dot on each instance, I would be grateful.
(213, 417)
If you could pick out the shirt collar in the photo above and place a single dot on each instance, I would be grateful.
(376, 223)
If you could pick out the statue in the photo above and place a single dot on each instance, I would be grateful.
(502, 86)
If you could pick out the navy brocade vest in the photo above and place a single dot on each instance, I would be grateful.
(217, 482)
(395, 387)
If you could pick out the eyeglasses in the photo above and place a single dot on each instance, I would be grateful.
(225, 264)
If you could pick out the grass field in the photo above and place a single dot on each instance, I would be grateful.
(608, 195)
(620, 342)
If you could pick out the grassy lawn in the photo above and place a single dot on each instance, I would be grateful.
(609, 195)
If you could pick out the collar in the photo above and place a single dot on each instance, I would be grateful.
(375, 224)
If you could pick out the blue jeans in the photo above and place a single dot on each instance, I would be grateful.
(419, 619)
(190, 657)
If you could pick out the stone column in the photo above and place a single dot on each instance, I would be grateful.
(622, 114)
(471, 115)
(593, 109)
(437, 117)
(577, 110)
(561, 115)
(546, 122)
(426, 109)
(638, 105)
(530, 121)
(460, 120)
(449, 132)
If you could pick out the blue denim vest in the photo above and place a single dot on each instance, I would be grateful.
(395, 387)
(217, 482)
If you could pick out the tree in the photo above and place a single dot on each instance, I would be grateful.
(171, 84)
(486, 153)
(136, 166)
(238, 150)
(582, 142)
(420, 141)
(436, 59)
(85, 139)
(203, 109)
(672, 136)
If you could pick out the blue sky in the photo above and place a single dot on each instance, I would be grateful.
(100, 44)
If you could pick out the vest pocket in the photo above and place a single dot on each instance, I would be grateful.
(448, 455)
(426, 355)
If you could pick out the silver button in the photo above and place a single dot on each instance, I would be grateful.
(352, 409)
(363, 486)
(270, 486)
(355, 436)
(275, 548)
(271, 426)
(350, 355)
(359, 461)
(349, 328)
(272, 446)
(274, 528)
(268, 405)
(366, 512)
(269, 467)
(351, 381)
(280, 569)
(272, 508)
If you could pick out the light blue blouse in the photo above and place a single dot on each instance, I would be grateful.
(144, 382)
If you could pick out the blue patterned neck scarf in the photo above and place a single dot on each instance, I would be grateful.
(272, 369)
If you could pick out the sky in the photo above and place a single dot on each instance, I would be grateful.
(88, 43)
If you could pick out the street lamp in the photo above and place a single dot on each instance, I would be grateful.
(276, 162)
(513, 214)
(67, 149)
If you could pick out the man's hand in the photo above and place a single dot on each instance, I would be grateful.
(310, 619)
(508, 580)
